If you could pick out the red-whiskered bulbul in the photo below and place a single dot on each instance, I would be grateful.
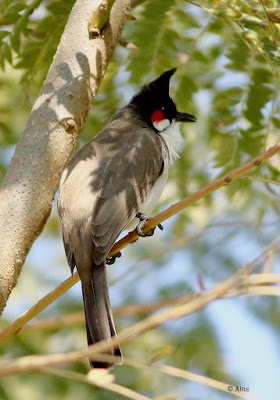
(117, 176)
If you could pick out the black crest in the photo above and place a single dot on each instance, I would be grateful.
(155, 95)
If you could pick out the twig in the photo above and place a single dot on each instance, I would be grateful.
(100, 17)
(203, 380)
(269, 22)
(269, 262)
(258, 178)
(263, 279)
(103, 379)
(165, 369)
(263, 291)
(18, 323)
(191, 376)
(130, 309)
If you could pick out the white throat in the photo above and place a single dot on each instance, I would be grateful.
(161, 125)
(173, 139)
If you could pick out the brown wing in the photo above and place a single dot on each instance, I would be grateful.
(124, 182)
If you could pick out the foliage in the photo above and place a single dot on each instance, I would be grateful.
(228, 59)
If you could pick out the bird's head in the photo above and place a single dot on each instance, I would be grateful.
(156, 106)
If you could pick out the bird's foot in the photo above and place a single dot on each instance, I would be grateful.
(143, 219)
(111, 260)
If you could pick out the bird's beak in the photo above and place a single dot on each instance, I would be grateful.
(184, 117)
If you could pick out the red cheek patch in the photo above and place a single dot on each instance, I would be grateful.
(157, 116)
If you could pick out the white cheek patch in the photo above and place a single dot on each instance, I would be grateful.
(161, 125)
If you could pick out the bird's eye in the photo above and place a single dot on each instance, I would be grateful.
(163, 108)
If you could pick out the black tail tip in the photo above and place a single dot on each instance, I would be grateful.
(108, 364)
(101, 365)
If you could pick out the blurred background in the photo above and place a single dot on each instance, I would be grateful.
(227, 56)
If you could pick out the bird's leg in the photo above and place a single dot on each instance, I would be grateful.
(143, 219)
(111, 260)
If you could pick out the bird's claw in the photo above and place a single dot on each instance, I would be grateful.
(143, 219)
(111, 260)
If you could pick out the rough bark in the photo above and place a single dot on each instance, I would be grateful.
(51, 132)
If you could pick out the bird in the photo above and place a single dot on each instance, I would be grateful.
(111, 184)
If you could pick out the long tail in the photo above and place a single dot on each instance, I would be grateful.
(98, 315)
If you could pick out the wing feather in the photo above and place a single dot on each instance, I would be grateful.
(126, 183)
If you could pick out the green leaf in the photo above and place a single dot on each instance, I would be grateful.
(11, 14)
(60, 8)
(238, 54)
(251, 142)
(154, 39)
(4, 34)
(253, 22)
(5, 54)
(258, 96)
(47, 24)
(186, 88)
(225, 147)
(5, 4)
(276, 122)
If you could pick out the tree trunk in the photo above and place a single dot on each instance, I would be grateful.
(51, 132)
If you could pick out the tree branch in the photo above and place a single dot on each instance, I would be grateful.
(164, 369)
(100, 17)
(101, 378)
(51, 133)
(178, 373)
(129, 309)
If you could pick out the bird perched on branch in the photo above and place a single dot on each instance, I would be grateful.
(114, 179)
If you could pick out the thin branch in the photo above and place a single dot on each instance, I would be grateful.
(263, 291)
(259, 179)
(78, 317)
(204, 380)
(103, 379)
(263, 279)
(269, 22)
(165, 369)
(190, 376)
(99, 17)
(179, 373)
(269, 262)
(18, 323)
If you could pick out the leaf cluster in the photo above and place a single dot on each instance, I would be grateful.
(29, 34)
